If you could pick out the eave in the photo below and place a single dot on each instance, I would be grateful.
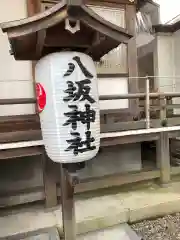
(167, 28)
(33, 37)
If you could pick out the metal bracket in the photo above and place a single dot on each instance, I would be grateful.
(70, 28)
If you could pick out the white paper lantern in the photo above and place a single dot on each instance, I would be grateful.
(69, 106)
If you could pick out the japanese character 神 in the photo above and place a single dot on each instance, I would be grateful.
(85, 117)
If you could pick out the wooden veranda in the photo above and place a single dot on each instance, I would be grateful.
(149, 117)
(21, 136)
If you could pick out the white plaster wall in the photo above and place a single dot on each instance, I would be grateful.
(113, 62)
(164, 62)
(167, 63)
(176, 55)
(113, 86)
(176, 39)
(15, 76)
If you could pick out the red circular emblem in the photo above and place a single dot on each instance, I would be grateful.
(41, 97)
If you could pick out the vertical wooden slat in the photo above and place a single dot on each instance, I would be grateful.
(163, 158)
(49, 182)
(169, 112)
(163, 116)
(132, 58)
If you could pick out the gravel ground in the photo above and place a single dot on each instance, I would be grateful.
(166, 228)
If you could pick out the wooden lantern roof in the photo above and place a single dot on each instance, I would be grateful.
(44, 33)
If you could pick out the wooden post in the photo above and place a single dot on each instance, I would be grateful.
(163, 149)
(163, 116)
(132, 58)
(163, 157)
(68, 207)
(169, 112)
(50, 187)
(33, 7)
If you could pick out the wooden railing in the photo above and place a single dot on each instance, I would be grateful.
(145, 129)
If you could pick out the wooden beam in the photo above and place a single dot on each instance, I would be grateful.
(98, 2)
(32, 135)
(123, 126)
(15, 101)
(115, 180)
(106, 4)
(22, 198)
(129, 139)
(113, 75)
(18, 136)
(19, 118)
(20, 152)
(118, 2)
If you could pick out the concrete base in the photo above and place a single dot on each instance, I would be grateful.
(44, 234)
(98, 212)
(119, 232)
(114, 160)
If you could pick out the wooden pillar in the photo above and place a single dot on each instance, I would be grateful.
(50, 188)
(163, 158)
(132, 58)
(68, 204)
(33, 7)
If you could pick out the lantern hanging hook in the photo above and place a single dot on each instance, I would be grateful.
(73, 29)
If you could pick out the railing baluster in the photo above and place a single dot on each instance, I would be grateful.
(147, 104)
